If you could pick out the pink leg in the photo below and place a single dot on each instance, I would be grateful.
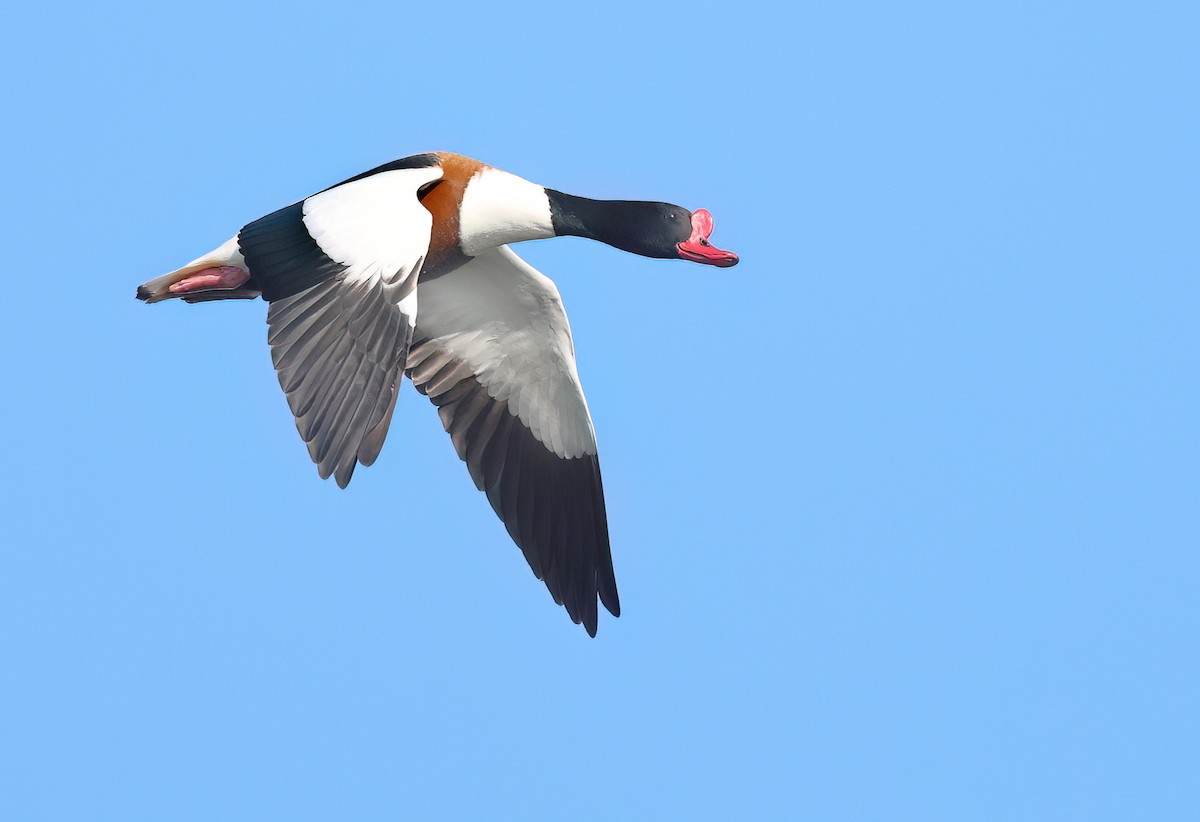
(222, 278)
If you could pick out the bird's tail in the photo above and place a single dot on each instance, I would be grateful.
(218, 275)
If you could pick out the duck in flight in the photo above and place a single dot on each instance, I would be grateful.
(406, 269)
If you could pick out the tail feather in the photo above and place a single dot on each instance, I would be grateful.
(159, 288)
(228, 254)
(245, 292)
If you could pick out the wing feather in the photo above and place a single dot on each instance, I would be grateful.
(340, 270)
(492, 350)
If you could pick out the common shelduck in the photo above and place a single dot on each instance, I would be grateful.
(406, 269)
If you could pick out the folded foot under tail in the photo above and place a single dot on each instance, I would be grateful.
(218, 275)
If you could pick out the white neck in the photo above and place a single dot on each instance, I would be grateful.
(499, 208)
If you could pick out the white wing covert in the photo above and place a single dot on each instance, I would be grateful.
(493, 352)
(339, 270)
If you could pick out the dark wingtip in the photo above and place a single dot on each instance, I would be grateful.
(590, 627)
(613, 605)
(607, 588)
(144, 293)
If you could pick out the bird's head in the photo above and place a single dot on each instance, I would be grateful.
(661, 230)
(666, 231)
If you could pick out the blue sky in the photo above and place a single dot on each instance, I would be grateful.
(904, 507)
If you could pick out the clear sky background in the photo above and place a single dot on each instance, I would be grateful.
(904, 507)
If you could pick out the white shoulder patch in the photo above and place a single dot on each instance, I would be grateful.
(375, 226)
(500, 208)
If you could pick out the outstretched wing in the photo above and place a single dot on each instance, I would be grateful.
(493, 352)
(340, 272)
